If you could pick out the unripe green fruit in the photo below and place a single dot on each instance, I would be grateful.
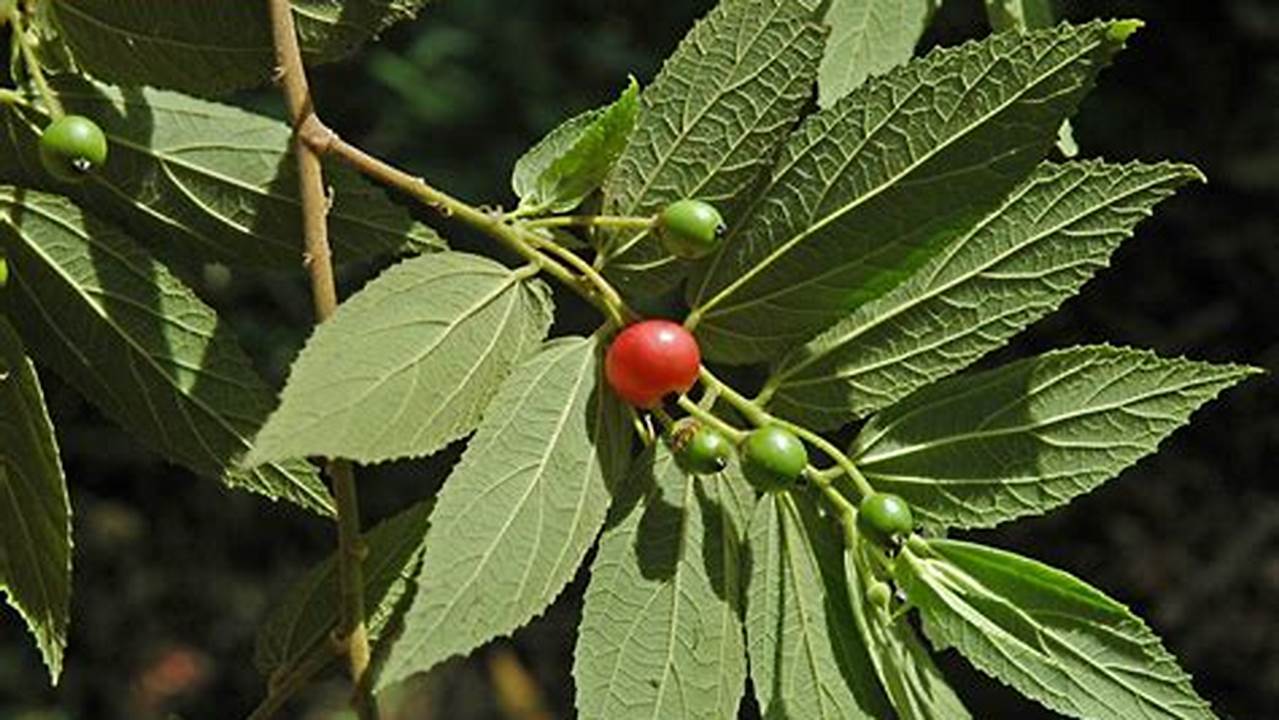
(71, 147)
(690, 229)
(4, 272)
(773, 458)
(879, 594)
(883, 516)
(701, 450)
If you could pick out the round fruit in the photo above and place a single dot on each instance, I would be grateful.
(772, 458)
(4, 272)
(705, 451)
(884, 515)
(651, 359)
(690, 228)
(879, 594)
(71, 147)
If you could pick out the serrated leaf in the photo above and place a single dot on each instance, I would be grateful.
(709, 126)
(126, 333)
(305, 618)
(1015, 15)
(977, 450)
(906, 672)
(35, 513)
(199, 181)
(868, 37)
(211, 46)
(1045, 633)
(805, 659)
(1014, 267)
(408, 364)
(869, 189)
(516, 518)
(571, 162)
(661, 633)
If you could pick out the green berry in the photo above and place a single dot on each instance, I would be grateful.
(690, 228)
(879, 594)
(71, 147)
(883, 516)
(4, 272)
(773, 458)
(701, 450)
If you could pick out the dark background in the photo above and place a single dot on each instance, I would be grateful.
(172, 574)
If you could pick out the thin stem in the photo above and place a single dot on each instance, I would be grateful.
(352, 632)
(710, 418)
(32, 64)
(613, 304)
(520, 240)
(760, 417)
(605, 221)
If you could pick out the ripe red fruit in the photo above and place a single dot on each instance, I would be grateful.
(650, 360)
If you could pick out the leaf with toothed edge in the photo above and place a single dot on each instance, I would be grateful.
(514, 521)
(1036, 249)
(709, 126)
(1046, 634)
(35, 512)
(661, 632)
(409, 363)
(121, 329)
(870, 188)
(977, 450)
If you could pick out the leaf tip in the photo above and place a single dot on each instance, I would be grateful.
(1120, 30)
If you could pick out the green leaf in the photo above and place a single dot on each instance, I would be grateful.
(868, 37)
(1020, 14)
(572, 161)
(118, 326)
(516, 518)
(869, 189)
(661, 633)
(709, 126)
(35, 514)
(977, 450)
(408, 364)
(805, 659)
(211, 46)
(906, 672)
(1017, 15)
(204, 182)
(1013, 268)
(1045, 633)
(305, 618)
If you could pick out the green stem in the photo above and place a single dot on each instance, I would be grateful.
(710, 418)
(593, 282)
(604, 221)
(32, 64)
(761, 417)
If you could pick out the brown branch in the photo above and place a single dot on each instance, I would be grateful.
(352, 635)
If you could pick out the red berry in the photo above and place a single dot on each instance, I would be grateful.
(651, 359)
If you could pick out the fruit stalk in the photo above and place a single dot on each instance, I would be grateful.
(32, 64)
(352, 634)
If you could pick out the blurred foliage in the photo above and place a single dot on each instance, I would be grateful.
(172, 574)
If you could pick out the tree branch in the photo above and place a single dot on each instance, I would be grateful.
(352, 635)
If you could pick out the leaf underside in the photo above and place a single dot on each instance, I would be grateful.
(408, 364)
(119, 327)
(35, 513)
(661, 632)
(978, 450)
(868, 37)
(867, 190)
(1017, 265)
(514, 521)
(1047, 634)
